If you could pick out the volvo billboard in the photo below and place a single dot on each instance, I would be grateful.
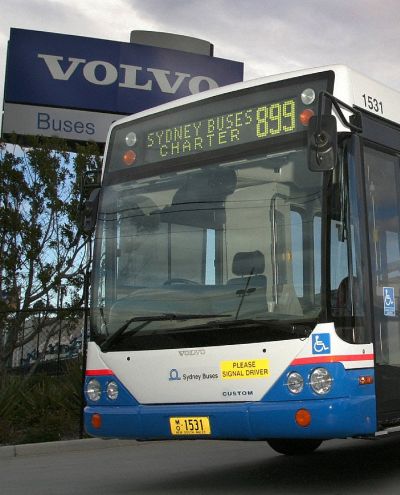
(74, 87)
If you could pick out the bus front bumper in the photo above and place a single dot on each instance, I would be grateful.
(329, 418)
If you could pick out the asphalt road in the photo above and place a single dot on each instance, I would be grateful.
(201, 467)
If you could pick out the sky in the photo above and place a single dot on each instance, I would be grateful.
(269, 36)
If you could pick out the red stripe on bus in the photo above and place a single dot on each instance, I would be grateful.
(333, 359)
(98, 372)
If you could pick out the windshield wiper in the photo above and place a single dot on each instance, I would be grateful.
(149, 319)
(301, 328)
(244, 294)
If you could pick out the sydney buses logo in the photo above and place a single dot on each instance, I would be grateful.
(104, 73)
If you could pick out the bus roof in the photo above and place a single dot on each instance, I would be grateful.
(350, 86)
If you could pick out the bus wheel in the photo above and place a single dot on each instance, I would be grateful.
(294, 446)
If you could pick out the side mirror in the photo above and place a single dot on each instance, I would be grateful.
(90, 211)
(322, 143)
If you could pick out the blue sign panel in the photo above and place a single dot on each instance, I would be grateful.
(321, 343)
(74, 72)
(389, 305)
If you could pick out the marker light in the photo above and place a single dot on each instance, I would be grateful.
(295, 383)
(308, 96)
(306, 115)
(129, 157)
(130, 139)
(96, 421)
(93, 390)
(321, 381)
(303, 418)
(112, 391)
(365, 380)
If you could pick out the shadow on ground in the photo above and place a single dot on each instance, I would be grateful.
(362, 466)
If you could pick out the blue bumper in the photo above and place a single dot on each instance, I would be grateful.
(330, 418)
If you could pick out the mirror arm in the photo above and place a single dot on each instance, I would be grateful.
(322, 132)
(338, 105)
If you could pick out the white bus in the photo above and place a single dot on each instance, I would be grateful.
(246, 274)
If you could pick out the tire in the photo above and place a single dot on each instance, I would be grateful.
(294, 446)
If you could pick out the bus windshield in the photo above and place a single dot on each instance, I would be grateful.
(181, 254)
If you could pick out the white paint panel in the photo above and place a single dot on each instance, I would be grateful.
(76, 125)
(152, 376)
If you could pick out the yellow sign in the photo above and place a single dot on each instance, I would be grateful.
(190, 425)
(246, 368)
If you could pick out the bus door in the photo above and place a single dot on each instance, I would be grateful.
(381, 155)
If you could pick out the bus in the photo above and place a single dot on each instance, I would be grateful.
(246, 267)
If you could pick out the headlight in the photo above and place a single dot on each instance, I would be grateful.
(93, 390)
(112, 391)
(295, 383)
(321, 381)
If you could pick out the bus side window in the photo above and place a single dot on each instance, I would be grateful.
(383, 191)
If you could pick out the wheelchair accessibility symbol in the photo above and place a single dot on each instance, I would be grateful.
(321, 343)
(389, 306)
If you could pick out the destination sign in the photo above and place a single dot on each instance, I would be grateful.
(226, 129)
(235, 121)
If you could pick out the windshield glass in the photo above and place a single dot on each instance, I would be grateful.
(180, 255)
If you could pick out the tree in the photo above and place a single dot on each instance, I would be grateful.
(42, 247)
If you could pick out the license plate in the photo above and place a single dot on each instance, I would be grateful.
(190, 426)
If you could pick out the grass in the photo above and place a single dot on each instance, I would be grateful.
(40, 409)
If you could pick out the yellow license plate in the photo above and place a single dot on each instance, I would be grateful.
(190, 426)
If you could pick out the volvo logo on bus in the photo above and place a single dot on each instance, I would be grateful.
(192, 352)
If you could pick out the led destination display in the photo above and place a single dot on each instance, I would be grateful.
(231, 120)
(226, 129)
